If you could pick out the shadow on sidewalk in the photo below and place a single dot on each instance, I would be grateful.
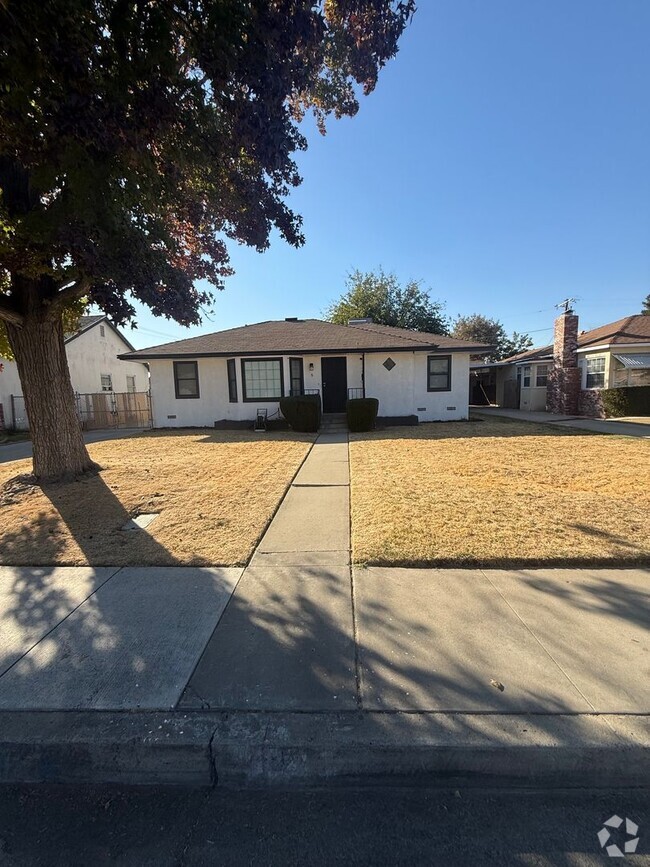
(59, 625)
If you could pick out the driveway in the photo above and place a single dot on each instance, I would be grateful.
(621, 427)
(19, 451)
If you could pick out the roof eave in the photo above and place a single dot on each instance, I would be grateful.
(142, 355)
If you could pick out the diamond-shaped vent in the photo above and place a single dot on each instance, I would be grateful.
(389, 364)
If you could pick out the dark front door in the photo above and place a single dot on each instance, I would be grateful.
(335, 384)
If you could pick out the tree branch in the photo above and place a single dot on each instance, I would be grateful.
(69, 293)
(9, 313)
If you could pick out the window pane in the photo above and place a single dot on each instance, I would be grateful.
(295, 371)
(439, 373)
(596, 372)
(263, 379)
(542, 375)
(186, 378)
(595, 380)
(439, 365)
(232, 381)
(185, 370)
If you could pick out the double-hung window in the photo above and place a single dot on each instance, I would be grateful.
(232, 380)
(186, 379)
(596, 372)
(262, 379)
(297, 376)
(130, 384)
(527, 369)
(439, 373)
(107, 382)
(541, 375)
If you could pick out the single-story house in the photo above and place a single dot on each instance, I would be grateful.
(613, 355)
(92, 352)
(227, 376)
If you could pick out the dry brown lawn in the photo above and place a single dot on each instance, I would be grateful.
(499, 493)
(215, 493)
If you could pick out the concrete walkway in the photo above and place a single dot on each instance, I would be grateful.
(286, 640)
(619, 427)
(300, 668)
(21, 450)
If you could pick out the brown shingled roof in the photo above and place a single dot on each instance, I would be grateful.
(304, 336)
(630, 329)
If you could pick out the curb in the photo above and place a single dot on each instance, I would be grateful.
(251, 749)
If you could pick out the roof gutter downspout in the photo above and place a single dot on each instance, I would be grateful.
(363, 372)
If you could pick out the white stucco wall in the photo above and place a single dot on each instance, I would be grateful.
(9, 384)
(213, 403)
(90, 355)
(401, 391)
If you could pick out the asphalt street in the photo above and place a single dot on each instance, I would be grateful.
(66, 826)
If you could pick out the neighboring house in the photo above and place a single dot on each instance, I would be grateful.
(92, 352)
(617, 354)
(227, 376)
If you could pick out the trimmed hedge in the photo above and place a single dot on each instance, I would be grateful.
(303, 412)
(627, 400)
(362, 413)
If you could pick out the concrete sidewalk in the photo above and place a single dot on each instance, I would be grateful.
(619, 427)
(301, 669)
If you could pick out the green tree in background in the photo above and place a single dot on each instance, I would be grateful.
(380, 297)
(645, 306)
(136, 140)
(484, 330)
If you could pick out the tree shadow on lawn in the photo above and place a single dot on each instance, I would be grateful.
(69, 635)
(91, 514)
(228, 436)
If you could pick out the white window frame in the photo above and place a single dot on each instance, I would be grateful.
(526, 376)
(588, 373)
(109, 377)
(544, 375)
(131, 380)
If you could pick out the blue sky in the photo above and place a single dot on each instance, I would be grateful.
(504, 160)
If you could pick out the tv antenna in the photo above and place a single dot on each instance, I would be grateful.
(565, 305)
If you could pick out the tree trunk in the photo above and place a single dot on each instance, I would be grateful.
(57, 441)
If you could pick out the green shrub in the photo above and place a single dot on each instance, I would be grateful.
(303, 412)
(627, 400)
(362, 413)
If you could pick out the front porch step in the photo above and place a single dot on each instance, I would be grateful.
(334, 422)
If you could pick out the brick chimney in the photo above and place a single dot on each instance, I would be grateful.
(563, 388)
